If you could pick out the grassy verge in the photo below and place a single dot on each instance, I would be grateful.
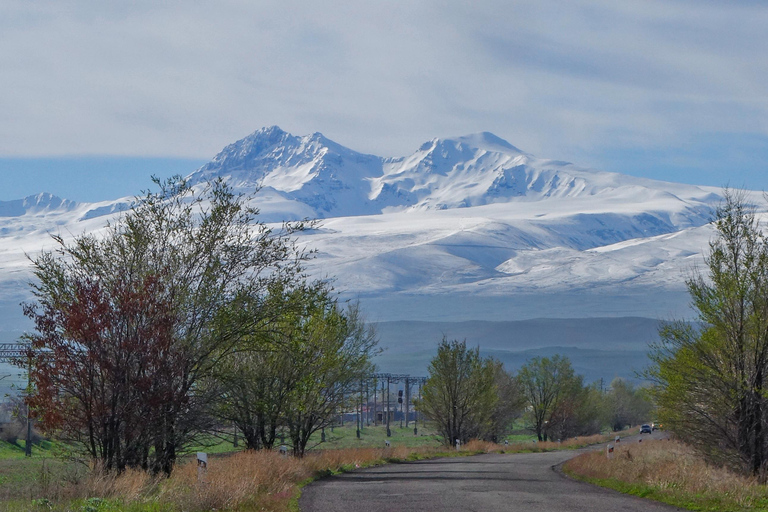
(240, 481)
(669, 472)
(17, 450)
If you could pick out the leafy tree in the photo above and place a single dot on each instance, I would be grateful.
(300, 368)
(509, 406)
(553, 393)
(460, 395)
(255, 382)
(626, 404)
(711, 375)
(131, 323)
(330, 351)
(256, 386)
(582, 414)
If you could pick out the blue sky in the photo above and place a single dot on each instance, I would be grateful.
(87, 179)
(96, 96)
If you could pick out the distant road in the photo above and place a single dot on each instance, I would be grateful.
(515, 482)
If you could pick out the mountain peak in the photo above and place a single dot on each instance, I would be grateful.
(262, 139)
(44, 202)
(247, 153)
(270, 129)
(483, 141)
(487, 141)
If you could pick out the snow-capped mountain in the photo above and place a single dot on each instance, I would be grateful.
(475, 170)
(328, 180)
(476, 217)
(41, 204)
(471, 217)
(463, 229)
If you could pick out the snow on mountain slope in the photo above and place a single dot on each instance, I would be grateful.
(312, 170)
(501, 248)
(40, 204)
(468, 227)
(474, 170)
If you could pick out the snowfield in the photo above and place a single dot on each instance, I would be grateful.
(472, 218)
(464, 229)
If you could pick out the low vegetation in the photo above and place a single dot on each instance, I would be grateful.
(247, 480)
(670, 472)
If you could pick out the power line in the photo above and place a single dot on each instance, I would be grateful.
(11, 352)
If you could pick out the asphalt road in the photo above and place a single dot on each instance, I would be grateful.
(516, 482)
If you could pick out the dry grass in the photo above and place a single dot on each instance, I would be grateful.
(131, 485)
(266, 480)
(670, 471)
(240, 481)
(263, 480)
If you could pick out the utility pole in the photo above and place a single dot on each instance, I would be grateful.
(407, 399)
(28, 443)
(367, 404)
(389, 432)
(360, 411)
(10, 353)
(416, 419)
(383, 413)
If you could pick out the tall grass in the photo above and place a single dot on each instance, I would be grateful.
(671, 472)
(244, 481)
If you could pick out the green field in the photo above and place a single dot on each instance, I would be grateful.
(370, 436)
(374, 436)
(338, 437)
(26, 478)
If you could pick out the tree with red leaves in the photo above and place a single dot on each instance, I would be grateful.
(131, 324)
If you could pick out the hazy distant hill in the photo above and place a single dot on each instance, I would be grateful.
(598, 347)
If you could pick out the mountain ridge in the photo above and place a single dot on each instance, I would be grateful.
(444, 173)
(466, 229)
(460, 225)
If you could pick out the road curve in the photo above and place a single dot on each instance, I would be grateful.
(518, 482)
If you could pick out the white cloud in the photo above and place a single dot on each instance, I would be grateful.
(186, 78)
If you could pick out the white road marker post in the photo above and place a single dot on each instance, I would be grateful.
(202, 467)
